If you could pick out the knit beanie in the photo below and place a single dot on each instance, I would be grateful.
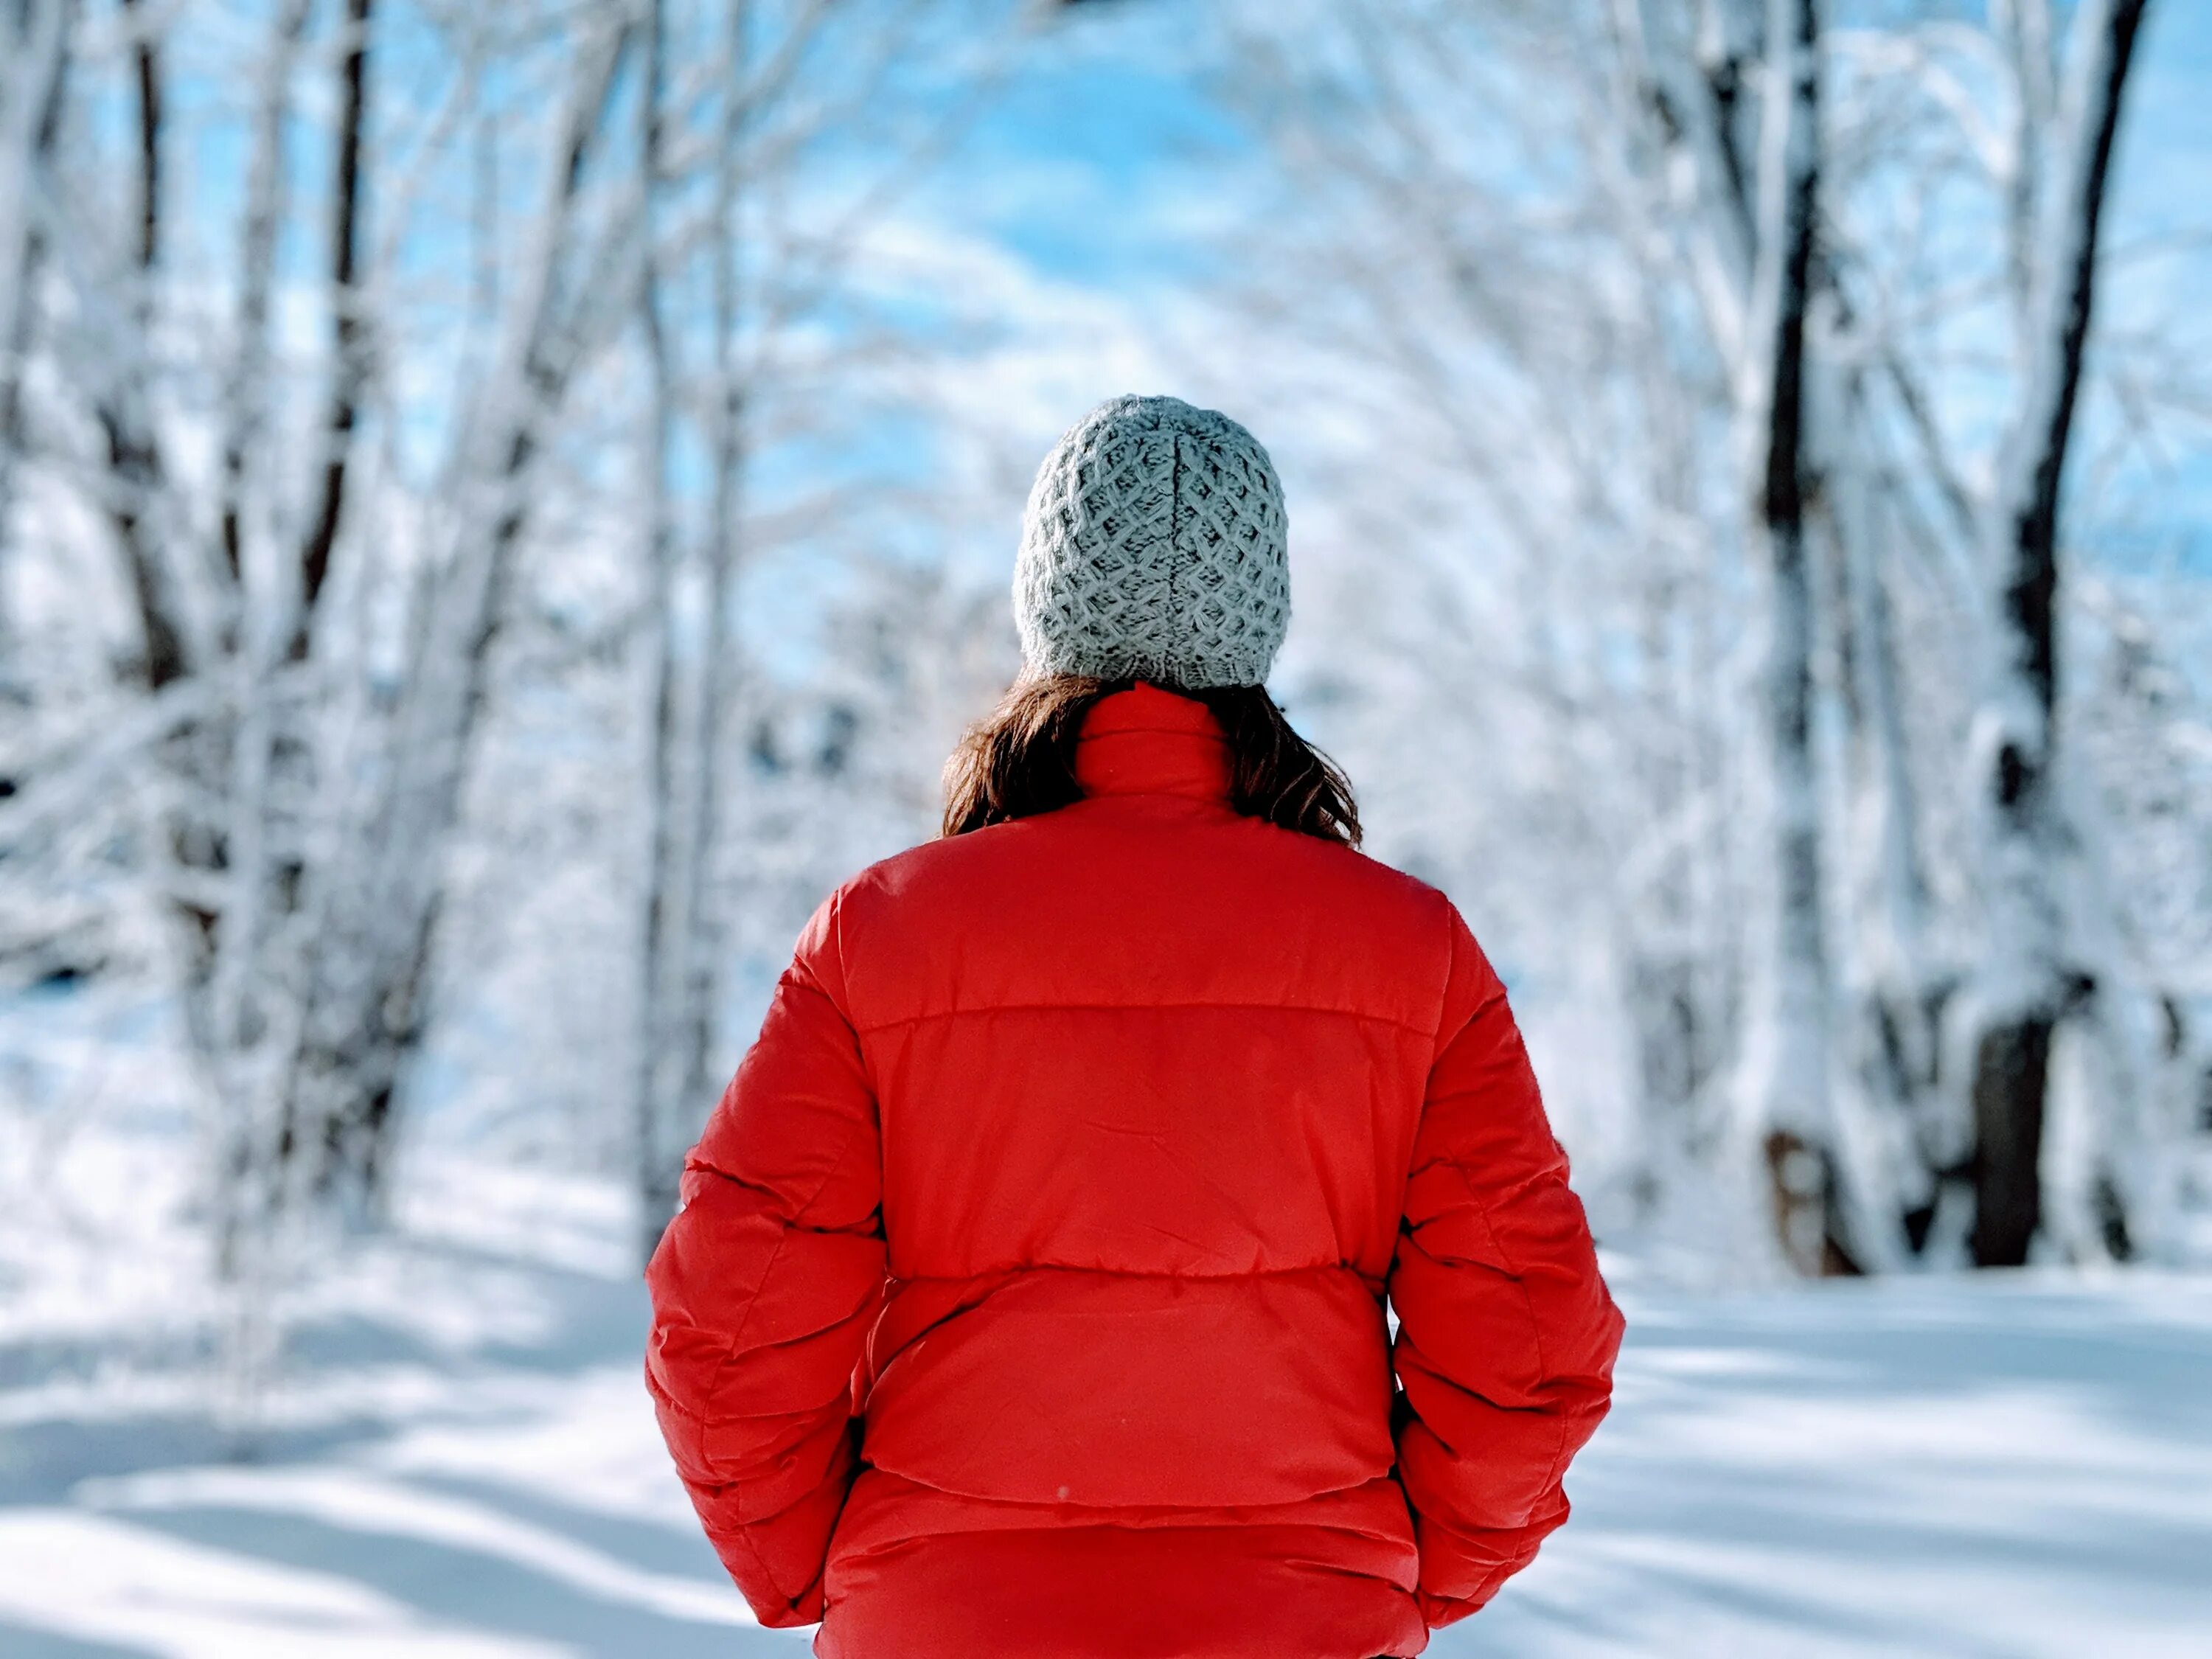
(1153, 550)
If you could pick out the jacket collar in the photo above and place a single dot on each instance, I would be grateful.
(1149, 741)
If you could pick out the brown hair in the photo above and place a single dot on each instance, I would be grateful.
(1020, 760)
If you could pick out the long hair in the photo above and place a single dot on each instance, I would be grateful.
(1020, 760)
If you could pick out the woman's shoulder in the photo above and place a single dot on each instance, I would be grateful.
(1064, 896)
(996, 865)
(1375, 881)
(941, 861)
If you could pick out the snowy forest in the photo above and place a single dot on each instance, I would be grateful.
(503, 506)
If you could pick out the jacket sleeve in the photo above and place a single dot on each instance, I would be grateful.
(1506, 1332)
(765, 1286)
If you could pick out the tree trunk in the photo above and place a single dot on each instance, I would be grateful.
(135, 473)
(348, 371)
(376, 923)
(659, 1160)
(1887, 1038)
(705, 943)
(685, 933)
(33, 54)
(2011, 1069)
(1790, 1051)
(246, 392)
(2025, 975)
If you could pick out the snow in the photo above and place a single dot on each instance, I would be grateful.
(2006, 1465)
(456, 1456)
(131, 1590)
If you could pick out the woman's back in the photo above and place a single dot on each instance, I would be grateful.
(1029, 1294)
(1163, 1064)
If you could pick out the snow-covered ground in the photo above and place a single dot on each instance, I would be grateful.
(456, 1458)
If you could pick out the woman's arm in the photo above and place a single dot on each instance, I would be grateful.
(1506, 1333)
(765, 1286)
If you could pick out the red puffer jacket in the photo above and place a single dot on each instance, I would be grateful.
(1028, 1295)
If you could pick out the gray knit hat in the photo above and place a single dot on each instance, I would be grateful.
(1153, 549)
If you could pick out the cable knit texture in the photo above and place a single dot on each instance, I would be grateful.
(1153, 549)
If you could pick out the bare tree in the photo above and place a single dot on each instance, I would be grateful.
(666, 872)
(323, 551)
(2031, 975)
(363, 1007)
(755, 290)
(34, 57)
(302, 806)
(1794, 1080)
(1596, 251)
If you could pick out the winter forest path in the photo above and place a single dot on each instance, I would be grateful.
(457, 1462)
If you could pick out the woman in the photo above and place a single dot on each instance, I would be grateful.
(1028, 1295)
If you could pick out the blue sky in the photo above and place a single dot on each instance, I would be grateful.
(1097, 179)
(1098, 149)
(1095, 155)
(2165, 189)
(1106, 154)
